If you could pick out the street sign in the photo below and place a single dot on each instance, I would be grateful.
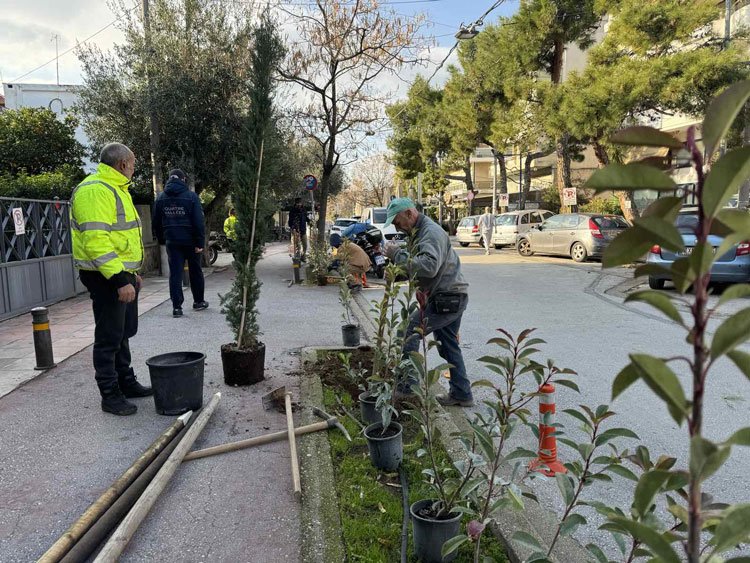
(503, 200)
(311, 182)
(18, 221)
(570, 196)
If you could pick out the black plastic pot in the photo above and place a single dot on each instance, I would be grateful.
(430, 534)
(243, 367)
(367, 409)
(350, 333)
(386, 449)
(177, 381)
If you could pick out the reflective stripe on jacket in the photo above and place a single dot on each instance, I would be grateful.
(106, 227)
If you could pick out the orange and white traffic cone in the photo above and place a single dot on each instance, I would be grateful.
(547, 462)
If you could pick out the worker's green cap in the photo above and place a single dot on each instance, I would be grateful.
(395, 207)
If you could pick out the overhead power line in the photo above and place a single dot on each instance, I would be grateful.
(110, 24)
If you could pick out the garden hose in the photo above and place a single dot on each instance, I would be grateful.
(405, 524)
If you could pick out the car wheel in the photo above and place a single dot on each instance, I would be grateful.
(464, 244)
(655, 283)
(524, 247)
(213, 254)
(578, 252)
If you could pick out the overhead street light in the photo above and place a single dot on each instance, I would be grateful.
(466, 32)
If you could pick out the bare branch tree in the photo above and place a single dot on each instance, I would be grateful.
(345, 51)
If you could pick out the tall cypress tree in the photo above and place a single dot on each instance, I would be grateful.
(260, 154)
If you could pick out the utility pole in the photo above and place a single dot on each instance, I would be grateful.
(727, 22)
(419, 188)
(56, 39)
(494, 182)
(153, 121)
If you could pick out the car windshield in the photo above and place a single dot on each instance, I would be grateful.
(611, 222)
(506, 220)
(379, 216)
(686, 223)
(344, 222)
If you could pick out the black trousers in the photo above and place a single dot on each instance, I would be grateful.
(177, 255)
(116, 322)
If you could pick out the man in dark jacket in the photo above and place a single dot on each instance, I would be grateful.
(298, 224)
(178, 223)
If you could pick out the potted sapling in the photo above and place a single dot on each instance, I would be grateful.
(350, 330)
(436, 520)
(392, 314)
(243, 359)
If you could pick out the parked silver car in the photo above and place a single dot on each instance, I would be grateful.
(732, 267)
(467, 231)
(578, 235)
(509, 225)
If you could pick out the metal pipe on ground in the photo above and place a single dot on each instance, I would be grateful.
(74, 533)
(96, 534)
(124, 532)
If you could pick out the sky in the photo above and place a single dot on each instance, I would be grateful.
(27, 28)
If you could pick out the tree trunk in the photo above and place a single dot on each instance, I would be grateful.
(627, 206)
(562, 150)
(469, 183)
(503, 185)
(526, 188)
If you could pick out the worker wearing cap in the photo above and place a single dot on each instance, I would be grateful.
(108, 252)
(178, 222)
(437, 270)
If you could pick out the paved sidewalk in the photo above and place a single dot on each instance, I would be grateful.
(72, 327)
(60, 451)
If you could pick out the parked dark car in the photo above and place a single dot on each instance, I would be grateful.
(578, 235)
(731, 267)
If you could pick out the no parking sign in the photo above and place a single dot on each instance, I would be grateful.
(18, 221)
(311, 182)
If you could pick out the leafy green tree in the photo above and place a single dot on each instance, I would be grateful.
(33, 141)
(637, 72)
(543, 29)
(198, 65)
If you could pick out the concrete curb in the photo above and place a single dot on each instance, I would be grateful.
(534, 519)
(320, 526)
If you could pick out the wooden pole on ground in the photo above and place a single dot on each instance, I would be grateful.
(292, 447)
(66, 542)
(124, 532)
(256, 441)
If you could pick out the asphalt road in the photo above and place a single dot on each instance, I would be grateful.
(578, 310)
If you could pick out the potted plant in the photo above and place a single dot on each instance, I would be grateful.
(521, 378)
(392, 314)
(243, 359)
(436, 520)
(349, 330)
(317, 259)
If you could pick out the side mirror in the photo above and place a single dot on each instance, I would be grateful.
(538, 227)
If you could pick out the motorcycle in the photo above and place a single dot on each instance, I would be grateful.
(370, 240)
(217, 242)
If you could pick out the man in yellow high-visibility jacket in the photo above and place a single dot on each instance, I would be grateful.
(230, 226)
(108, 252)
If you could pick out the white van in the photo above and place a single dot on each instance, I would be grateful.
(376, 216)
(509, 225)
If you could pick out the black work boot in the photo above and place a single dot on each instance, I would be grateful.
(131, 388)
(113, 401)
